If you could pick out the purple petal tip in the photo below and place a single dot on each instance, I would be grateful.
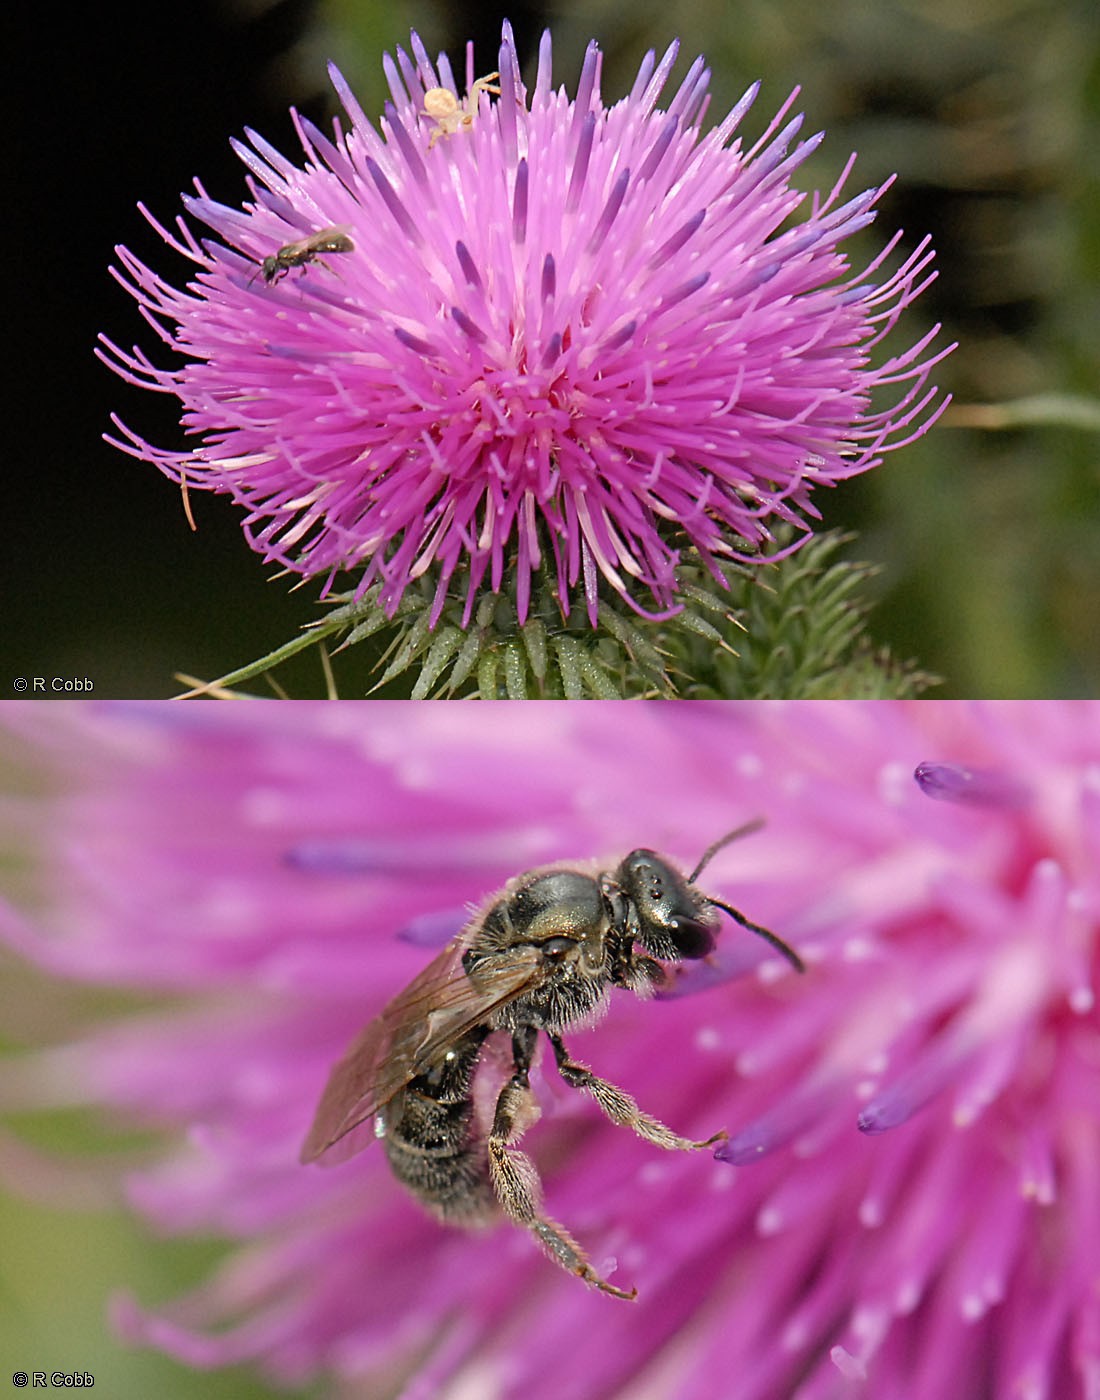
(974, 787)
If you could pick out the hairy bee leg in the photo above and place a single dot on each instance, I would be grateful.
(564, 1250)
(620, 1107)
(516, 1181)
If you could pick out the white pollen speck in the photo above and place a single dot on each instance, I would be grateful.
(224, 910)
(894, 783)
(849, 1366)
(769, 1221)
(794, 1336)
(418, 775)
(1041, 1192)
(749, 765)
(907, 1297)
(652, 1174)
(1081, 1000)
(972, 1307)
(870, 1323)
(707, 1038)
(475, 1381)
(870, 1214)
(263, 807)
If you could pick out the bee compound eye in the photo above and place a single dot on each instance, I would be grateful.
(693, 938)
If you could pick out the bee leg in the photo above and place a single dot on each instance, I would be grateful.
(516, 1180)
(620, 1107)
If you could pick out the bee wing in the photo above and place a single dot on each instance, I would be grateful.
(408, 1037)
(333, 239)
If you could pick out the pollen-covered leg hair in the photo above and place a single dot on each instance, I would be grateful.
(516, 1180)
(620, 1107)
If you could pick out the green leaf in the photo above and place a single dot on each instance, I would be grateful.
(790, 629)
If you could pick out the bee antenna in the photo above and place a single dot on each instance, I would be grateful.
(764, 933)
(712, 851)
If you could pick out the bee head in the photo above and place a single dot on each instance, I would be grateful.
(674, 920)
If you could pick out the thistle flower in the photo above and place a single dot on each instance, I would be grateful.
(908, 1192)
(513, 338)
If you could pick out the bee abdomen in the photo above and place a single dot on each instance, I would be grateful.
(454, 1186)
(434, 1147)
(434, 1153)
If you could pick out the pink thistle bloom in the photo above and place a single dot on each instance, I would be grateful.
(906, 1206)
(546, 335)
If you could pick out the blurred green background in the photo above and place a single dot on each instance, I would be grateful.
(68, 1243)
(987, 540)
(57, 1269)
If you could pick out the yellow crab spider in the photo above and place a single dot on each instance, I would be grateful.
(450, 115)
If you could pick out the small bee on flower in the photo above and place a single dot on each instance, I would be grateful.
(448, 113)
(305, 250)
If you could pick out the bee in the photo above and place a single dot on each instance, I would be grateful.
(298, 254)
(541, 955)
(450, 115)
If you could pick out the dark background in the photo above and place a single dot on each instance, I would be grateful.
(987, 541)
